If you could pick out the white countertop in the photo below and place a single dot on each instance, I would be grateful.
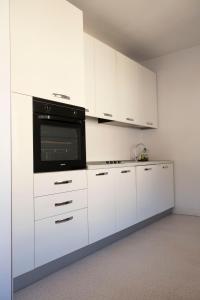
(124, 163)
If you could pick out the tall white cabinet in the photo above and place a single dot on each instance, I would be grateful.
(47, 50)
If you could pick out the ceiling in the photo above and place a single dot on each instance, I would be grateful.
(143, 29)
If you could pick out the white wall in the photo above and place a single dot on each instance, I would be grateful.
(5, 155)
(178, 136)
(107, 142)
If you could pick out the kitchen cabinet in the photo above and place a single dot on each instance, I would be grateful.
(125, 197)
(154, 189)
(127, 90)
(147, 97)
(59, 182)
(101, 204)
(90, 108)
(166, 187)
(22, 185)
(105, 81)
(60, 235)
(47, 50)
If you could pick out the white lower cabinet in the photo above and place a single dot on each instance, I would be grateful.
(154, 190)
(101, 204)
(60, 235)
(125, 196)
(166, 187)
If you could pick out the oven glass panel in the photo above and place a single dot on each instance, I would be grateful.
(60, 143)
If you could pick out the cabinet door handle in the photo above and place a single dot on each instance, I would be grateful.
(148, 169)
(125, 171)
(149, 123)
(61, 96)
(63, 182)
(101, 174)
(87, 110)
(64, 220)
(165, 167)
(130, 119)
(107, 115)
(63, 203)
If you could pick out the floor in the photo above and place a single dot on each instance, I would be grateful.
(159, 262)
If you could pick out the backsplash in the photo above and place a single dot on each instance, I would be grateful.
(108, 142)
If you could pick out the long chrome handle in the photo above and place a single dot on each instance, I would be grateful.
(149, 123)
(61, 96)
(130, 119)
(63, 182)
(107, 115)
(64, 220)
(63, 203)
(101, 174)
(125, 171)
(148, 169)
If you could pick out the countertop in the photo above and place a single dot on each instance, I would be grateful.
(124, 163)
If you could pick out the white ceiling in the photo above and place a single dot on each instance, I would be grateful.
(143, 29)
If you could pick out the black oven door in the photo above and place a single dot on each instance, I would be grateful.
(59, 144)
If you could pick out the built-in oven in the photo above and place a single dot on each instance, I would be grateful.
(58, 136)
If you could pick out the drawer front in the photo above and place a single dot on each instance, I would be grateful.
(52, 205)
(61, 235)
(59, 182)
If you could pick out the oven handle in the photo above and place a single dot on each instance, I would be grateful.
(59, 119)
(63, 182)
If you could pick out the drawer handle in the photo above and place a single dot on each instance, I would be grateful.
(64, 220)
(149, 123)
(63, 203)
(165, 167)
(148, 169)
(130, 119)
(107, 115)
(63, 182)
(101, 174)
(61, 96)
(125, 171)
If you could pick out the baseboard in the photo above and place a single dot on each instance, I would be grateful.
(56, 265)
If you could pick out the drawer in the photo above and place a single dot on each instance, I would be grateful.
(58, 236)
(52, 205)
(59, 182)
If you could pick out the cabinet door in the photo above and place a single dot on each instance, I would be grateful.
(105, 80)
(147, 97)
(89, 75)
(127, 89)
(22, 185)
(60, 235)
(166, 187)
(147, 191)
(101, 204)
(47, 50)
(125, 195)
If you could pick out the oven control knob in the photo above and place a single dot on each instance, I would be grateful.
(47, 108)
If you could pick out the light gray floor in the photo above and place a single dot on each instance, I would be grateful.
(159, 262)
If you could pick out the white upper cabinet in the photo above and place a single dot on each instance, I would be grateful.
(47, 50)
(147, 97)
(105, 81)
(127, 89)
(89, 75)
